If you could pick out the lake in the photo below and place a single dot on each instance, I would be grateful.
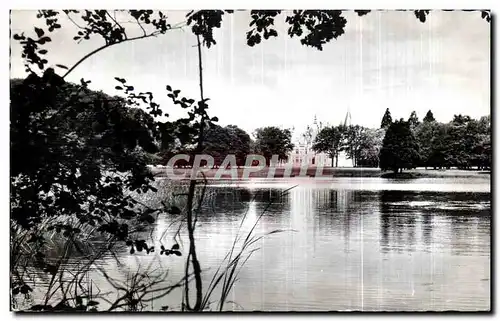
(366, 244)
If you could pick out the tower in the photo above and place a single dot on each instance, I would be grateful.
(348, 120)
(342, 159)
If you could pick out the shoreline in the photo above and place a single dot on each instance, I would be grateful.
(328, 172)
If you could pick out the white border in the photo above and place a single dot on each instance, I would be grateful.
(188, 4)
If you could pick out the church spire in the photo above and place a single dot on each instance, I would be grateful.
(348, 120)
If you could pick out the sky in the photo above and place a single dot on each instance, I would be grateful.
(386, 59)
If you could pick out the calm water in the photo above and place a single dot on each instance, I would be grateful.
(349, 244)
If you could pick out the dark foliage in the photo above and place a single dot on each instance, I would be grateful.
(230, 140)
(271, 141)
(329, 140)
(429, 117)
(400, 148)
(75, 152)
(386, 120)
(413, 120)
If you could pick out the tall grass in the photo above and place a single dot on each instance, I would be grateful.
(227, 273)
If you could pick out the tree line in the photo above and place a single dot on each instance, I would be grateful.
(463, 143)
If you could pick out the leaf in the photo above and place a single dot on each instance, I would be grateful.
(42, 52)
(175, 247)
(25, 289)
(62, 66)
(92, 303)
(174, 210)
(119, 88)
(18, 37)
(178, 253)
(169, 88)
(39, 32)
(362, 12)
(132, 250)
(43, 40)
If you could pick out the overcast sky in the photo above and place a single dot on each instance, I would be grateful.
(384, 60)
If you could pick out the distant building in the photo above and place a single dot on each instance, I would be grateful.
(303, 152)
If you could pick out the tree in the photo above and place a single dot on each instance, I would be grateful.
(439, 146)
(413, 120)
(369, 147)
(386, 119)
(475, 142)
(463, 142)
(482, 150)
(91, 149)
(241, 143)
(429, 117)
(399, 148)
(352, 142)
(230, 140)
(72, 153)
(271, 141)
(329, 141)
(427, 134)
(460, 140)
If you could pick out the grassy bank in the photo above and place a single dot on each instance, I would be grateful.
(420, 173)
(334, 172)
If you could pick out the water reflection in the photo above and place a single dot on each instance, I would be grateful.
(384, 249)
(344, 248)
(462, 220)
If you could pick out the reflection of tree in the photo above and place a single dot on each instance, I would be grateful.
(427, 228)
(267, 195)
(225, 201)
(467, 223)
(341, 210)
(397, 221)
(463, 233)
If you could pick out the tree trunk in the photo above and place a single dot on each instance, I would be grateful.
(191, 221)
